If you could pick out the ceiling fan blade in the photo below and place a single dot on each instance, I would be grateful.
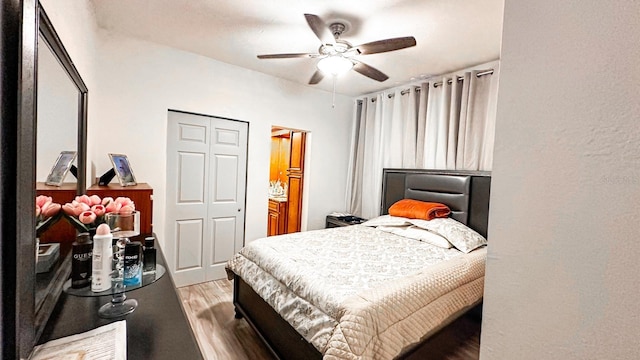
(381, 46)
(320, 29)
(287, 56)
(316, 78)
(369, 71)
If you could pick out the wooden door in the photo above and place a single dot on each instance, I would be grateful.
(295, 174)
(280, 148)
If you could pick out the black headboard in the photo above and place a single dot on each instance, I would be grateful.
(466, 193)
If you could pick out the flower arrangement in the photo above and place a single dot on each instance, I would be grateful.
(87, 212)
(47, 213)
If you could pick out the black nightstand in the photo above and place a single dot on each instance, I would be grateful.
(337, 221)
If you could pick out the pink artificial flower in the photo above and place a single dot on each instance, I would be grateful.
(127, 209)
(95, 200)
(69, 209)
(51, 210)
(44, 206)
(84, 199)
(113, 207)
(75, 208)
(37, 210)
(80, 208)
(42, 199)
(87, 217)
(81, 204)
(123, 201)
(107, 200)
(99, 210)
(84, 207)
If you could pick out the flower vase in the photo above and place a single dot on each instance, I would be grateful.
(123, 226)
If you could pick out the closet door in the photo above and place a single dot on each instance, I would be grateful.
(206, 181)
(227, 189)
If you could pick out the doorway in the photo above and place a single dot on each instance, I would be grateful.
(206, 186)
(286, 178)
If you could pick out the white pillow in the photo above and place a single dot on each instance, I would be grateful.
(387, 220)
(416, 233)
(461, 236)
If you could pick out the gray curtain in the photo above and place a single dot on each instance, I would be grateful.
(445, 126)
(356, 162)
(477, 127)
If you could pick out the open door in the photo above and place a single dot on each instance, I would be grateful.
(295, 174)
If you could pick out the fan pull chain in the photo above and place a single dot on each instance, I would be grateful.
(333, 98)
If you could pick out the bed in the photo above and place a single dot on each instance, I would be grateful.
(309, 300)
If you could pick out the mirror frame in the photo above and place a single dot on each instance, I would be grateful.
(45, 28)
(17, 176)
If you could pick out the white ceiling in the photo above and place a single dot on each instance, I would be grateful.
(450, 34)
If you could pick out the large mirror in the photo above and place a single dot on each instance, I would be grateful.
(61, 121)
(62, 106)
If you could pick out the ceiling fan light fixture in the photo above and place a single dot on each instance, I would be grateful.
(335, 54)
(335, 65)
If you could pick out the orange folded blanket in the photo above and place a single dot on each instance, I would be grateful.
(415, 209)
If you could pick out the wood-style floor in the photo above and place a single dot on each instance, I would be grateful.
(221, 336)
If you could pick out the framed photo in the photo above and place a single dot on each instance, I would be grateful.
(60, 168)
(123, 169)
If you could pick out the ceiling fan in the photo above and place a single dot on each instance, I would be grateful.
(337, 55)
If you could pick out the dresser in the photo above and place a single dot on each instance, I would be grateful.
(158, 329)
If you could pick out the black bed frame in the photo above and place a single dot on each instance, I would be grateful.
(465, 192)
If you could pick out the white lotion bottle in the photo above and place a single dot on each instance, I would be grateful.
(102, 258)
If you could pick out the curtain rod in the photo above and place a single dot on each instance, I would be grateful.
(459, 78)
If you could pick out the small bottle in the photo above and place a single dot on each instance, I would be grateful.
(102, 259)
(133, 264)
(149, 255)
(81, 261)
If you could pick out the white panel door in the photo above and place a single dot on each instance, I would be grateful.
(206, 180)
(228, 175)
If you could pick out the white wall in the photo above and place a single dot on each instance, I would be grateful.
(137, 82)
(562, 272)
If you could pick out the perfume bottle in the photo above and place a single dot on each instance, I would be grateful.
(149, 255)
(133, 264)
(81, 261)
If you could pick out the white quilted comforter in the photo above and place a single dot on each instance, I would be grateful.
(359, 293)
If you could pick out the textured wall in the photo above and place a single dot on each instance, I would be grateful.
(563, 265)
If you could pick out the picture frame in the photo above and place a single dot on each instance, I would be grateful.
(60, 168)
(123, 170)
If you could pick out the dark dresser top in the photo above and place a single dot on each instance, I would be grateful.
(157, 329)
